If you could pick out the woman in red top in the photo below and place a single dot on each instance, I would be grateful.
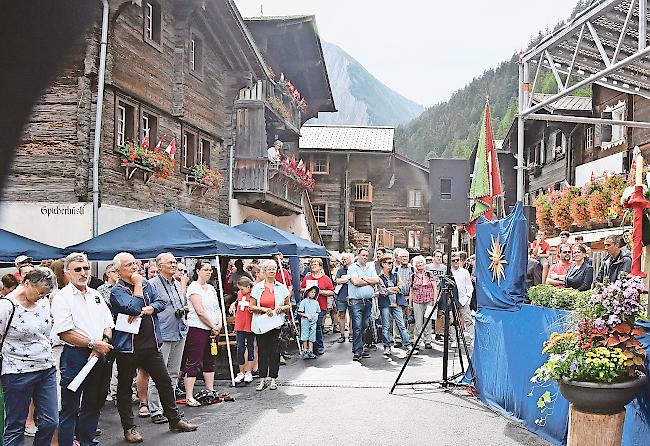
(541, 252)
(325, 289)
(245, 336)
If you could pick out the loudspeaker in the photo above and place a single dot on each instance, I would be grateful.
(531, 215)
(448, 191)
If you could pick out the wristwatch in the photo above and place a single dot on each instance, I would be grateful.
(91, 345)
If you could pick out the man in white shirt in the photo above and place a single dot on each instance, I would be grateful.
(84, 323)
(274, 153)
(465, 289)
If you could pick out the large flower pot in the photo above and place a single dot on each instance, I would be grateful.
(601, 398)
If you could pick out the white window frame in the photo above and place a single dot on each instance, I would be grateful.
(121, 124)
(193, 54)
(313, 207)
(415, 198)
(326, 163)
(148, 20)
(589, 138)
(199, 152)
(184, 151)
(146, 127)
(618, 131)
(413, 241)
(542, 152)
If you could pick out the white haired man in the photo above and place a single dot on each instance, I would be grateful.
(84, 323)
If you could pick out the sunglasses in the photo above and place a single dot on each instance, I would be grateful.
(79, 268)
(455, 260)
(565, 252)
(389, 263)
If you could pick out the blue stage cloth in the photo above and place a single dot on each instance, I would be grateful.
(507, 352)
(512, 232)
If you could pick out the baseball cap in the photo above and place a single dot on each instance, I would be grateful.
(23, 259)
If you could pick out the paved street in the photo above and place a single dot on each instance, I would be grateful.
(332, 400)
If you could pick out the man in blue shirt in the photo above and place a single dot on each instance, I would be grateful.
(361, 288)
(341, 296)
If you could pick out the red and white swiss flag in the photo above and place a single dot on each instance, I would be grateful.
(171, 148)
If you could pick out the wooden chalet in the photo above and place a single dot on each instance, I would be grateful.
(187, 71)
(366, 194)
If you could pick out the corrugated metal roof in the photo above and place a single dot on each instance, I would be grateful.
(347, 138)
(576, 103)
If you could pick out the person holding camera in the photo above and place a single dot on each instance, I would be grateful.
(173, 326)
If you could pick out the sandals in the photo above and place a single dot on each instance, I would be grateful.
(273, 385)
(192, 402)
(144, 411)
(262, 385)
(223, 396)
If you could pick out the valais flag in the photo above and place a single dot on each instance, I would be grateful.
(486, 178)
(171, 148)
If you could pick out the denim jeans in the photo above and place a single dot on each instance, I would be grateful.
(319, 345)
(360, 313)
(19, 390)
(396, 314)
(80, 410)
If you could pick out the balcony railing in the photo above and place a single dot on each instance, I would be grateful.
(363, 192)
(272, 95)
(269, 188)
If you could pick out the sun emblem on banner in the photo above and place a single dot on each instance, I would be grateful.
(497, 261)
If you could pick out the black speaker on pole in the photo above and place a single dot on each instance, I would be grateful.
(448, 191)
(531, 215)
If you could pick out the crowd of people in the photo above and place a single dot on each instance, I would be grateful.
(152, 327)
(570, 265)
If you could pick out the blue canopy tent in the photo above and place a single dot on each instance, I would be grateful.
(12, 245)
(184, 235)
(288, 244)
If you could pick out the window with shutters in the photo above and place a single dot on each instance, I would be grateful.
(557, 143)
(613, 135)
(152, 24)
(189, 147)
(415, 198)
(125, 121)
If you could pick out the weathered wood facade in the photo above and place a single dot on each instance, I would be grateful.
(175, 70)
(372, 197)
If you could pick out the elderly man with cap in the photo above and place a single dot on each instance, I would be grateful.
(135, 298)
(23, 266)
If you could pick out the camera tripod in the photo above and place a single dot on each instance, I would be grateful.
(451, 307)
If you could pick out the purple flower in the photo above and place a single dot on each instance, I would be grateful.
(599, 324)
(613, 320)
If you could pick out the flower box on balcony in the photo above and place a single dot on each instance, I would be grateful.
(203, 179)
(135, 156)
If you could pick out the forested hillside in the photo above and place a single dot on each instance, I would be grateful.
(450, 129)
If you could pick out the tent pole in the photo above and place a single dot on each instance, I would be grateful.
(293, 320)
(225, 322)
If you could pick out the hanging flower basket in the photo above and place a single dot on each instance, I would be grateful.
(158, 161)
(203, 175)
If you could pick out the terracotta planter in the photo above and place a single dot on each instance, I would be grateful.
(601, 398)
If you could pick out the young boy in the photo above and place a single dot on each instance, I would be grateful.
(308, 312)
(245, 335)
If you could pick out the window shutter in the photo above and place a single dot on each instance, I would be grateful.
(206, 152)
(598, 132)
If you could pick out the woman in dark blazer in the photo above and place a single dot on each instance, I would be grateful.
(580, 275)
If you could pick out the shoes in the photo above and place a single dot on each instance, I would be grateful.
(182, 426)
(350, 338)
(415, 350)
(428, 346)
(132, 436)
(239, 378)
(159, 419)
(98, 432)
(256, 374)
(248, 377)
(109, 397)
(283, 361)
(192, 402)
(356, 358)
(311, 355)
(305, 355)
(336, 330)
(341, 340)
(273, 385)
(262, 385)
(144, 411)
(31, 431)
(320, 352)
(365, 354)
(387, 351)
(398, 344)
(439, 337)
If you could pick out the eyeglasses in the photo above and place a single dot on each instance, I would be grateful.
(79, 268)
(565, 252)
(389, 263)
(455, 260)
(181, 270)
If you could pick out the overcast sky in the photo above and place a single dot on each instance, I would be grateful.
(423, 49)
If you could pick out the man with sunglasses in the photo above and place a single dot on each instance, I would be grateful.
(465, 289)
(84, 323)
(557, 273)
(136, 298)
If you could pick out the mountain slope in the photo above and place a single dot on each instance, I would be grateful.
(360, 98)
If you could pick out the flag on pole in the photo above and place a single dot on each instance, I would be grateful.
(145, 142)
(159, 145)
(486, 177)
(171, 148)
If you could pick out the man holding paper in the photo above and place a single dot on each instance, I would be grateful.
(84, 323)
(135, 304)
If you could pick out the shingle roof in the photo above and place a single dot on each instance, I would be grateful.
(347, 138)
(576, 103)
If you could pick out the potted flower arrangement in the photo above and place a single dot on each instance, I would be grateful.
(299, 173)
(580, 211)
(599, 362)
(598, 201)
(561, 208)
(159, 161)
(544, 212)
(205, 176)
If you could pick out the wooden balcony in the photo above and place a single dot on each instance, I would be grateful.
(261, 185)
(362, 192)
(277, 105)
